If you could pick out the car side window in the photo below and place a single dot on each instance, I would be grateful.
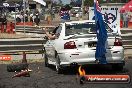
(58, 31)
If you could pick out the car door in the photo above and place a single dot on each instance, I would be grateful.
(50, 51)
(50, 44)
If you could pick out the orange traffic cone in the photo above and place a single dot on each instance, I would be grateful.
(24, 60)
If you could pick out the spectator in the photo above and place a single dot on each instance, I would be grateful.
(77, 16)
(1, 23)
(130, 17)
(22, 16)
(37, 19)
(31, 17)
(26, 18)
(125, 20)
(66, 16)
(52, 14)
(4, 23)
(18, 20)
(49, 19)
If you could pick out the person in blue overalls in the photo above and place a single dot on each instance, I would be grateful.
(65, 17)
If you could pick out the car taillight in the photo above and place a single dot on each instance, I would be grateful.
(70, 45)
(118, 42)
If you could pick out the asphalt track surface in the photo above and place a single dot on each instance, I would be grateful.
(44, 77)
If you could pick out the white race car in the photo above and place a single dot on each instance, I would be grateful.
(76, 45)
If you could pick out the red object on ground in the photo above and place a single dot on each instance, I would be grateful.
(26, 23)
(127, 7)
(22, 73)
(5, 58)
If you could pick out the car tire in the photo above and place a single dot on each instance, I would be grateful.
(117, 67)
(58, 67)
(17, 67)
(46, 61)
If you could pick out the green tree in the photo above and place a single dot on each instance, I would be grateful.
(60, 2)
(88, 2)
(91, 2)
(72, 3)
(68, 7)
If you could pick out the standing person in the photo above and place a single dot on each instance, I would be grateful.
(37, 19)
(125, 20)
(49, 18)
(130, 17)
(22, 16)
(26, 16)
(66, 16)
(52, 14)
(31, 17)
(0, 23)
(18, 19)
(77, 16)
(4, 23)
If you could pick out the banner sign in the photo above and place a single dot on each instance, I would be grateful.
(110, 15)
(5, 58)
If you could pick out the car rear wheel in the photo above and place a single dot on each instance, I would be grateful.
(117, 67)
(57, 65)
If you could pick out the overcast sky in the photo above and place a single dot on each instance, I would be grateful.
(66, 1)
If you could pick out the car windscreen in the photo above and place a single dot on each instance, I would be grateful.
(82, 28)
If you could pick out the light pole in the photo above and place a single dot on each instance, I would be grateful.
(82, 8)
(15, 17)
(24, 2)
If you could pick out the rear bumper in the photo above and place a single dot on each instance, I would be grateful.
(85, 56)
(64, 64)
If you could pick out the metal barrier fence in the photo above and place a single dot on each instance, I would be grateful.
(127, 38)
(36, 44)
(19, 45)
